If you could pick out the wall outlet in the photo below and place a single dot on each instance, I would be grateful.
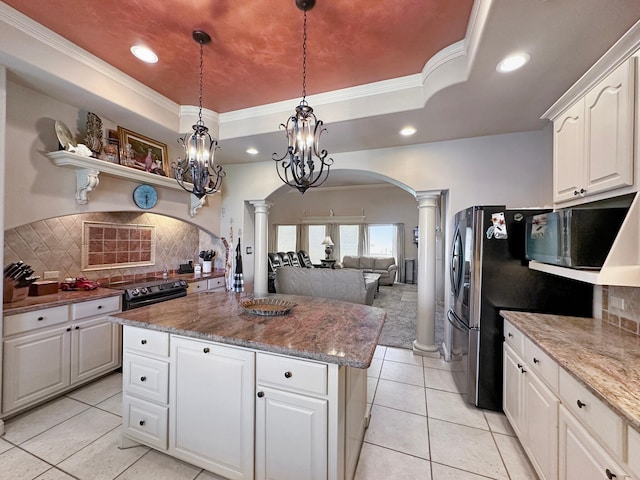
(53, 275)
(616, 302)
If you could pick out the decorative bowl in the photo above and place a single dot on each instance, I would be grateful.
(268, 307)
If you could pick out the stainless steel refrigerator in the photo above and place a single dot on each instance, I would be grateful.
(489, 273)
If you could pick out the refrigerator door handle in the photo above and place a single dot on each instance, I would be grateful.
(456, 322)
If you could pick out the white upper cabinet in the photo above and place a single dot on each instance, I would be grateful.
(594, 138)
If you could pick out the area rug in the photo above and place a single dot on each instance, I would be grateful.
(400, 301)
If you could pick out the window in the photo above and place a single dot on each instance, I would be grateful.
(316, 249)
(286, 238)
(349, 236)
(382, 239)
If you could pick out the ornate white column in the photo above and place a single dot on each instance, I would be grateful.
(261, 236)
(425, 342)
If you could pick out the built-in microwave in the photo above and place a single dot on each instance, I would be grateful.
(573, 237)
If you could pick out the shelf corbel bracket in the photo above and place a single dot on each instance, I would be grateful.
(196, 204)
(86, 181)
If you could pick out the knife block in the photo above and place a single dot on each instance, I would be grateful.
(13, 294)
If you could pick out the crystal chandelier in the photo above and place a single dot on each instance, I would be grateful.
(297, 167)
(198, 166)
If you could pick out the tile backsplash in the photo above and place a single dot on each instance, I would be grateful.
(628, 317)
(55, 244)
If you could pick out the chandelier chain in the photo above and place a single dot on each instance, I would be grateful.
(304, 57)
(201, 82)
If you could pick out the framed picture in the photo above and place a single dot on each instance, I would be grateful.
(143, 153)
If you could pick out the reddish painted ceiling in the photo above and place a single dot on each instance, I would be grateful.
(255, 56)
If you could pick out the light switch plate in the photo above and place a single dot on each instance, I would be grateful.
(616, 302)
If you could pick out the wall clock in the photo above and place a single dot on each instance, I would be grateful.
(145, 196)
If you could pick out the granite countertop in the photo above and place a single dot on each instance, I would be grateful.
(604, 358)
(29, 304)
(316, 328)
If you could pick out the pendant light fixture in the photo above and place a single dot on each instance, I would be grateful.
(198, 166)
(304, 164)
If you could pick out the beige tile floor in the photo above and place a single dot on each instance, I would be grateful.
(420, 428)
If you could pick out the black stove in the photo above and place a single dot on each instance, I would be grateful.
(140, 293)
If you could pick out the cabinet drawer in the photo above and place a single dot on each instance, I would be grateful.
(542, 364)
(292, 374)
(216, 283)
(145, 421)
(195, 287)
(633, 444)
(146, 378)
(23, 322)
(146, 341)
(91, 308)
(594, 414)
(513, 337)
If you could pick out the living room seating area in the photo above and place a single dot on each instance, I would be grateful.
(346, 285)
(384, 266)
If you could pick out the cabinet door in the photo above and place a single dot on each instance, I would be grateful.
(95, 349)
(580, 456)
(291, 436)
(568, 153)
(512, 389)
(35, 366)
(541, 407)
(212, 407)
(609, 128)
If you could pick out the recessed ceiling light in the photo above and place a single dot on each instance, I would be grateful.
(408, 131)
(513, 62)
(144, 53)
(252, 151)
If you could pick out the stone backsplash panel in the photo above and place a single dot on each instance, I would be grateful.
(55, 244)
(628, 318)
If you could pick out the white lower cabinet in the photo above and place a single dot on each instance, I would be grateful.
(566, 432)
(211, 414)
(291, 436)
(581, 456)
(52, 350)
(532, 410)
(239, 413)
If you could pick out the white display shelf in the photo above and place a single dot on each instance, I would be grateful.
(88, 170)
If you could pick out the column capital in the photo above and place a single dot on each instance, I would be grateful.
(428, 198)
(260, 206)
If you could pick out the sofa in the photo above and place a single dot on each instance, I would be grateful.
(345, 285)
(385, 266)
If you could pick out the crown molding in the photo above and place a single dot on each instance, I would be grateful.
(42, 34)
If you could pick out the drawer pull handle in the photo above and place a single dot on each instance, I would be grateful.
(99, 307)
(143, 342)
(581, 404)
(77, 327)
(40, 319)
(510, 335)
(260, 394)
(143, 379)
(288, 374)
(142, 422)
(69, 329)
(535, 360)
(610, 474)
(206, 350)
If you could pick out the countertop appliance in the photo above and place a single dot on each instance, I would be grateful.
(140, 293)
(573, 237)
(489, 273)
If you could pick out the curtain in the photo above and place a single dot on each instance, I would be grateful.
(272, 240)
(400, 243)
(363, 240)
(302, 237)
(333, 230)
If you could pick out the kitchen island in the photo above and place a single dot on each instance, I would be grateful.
(248, 396)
